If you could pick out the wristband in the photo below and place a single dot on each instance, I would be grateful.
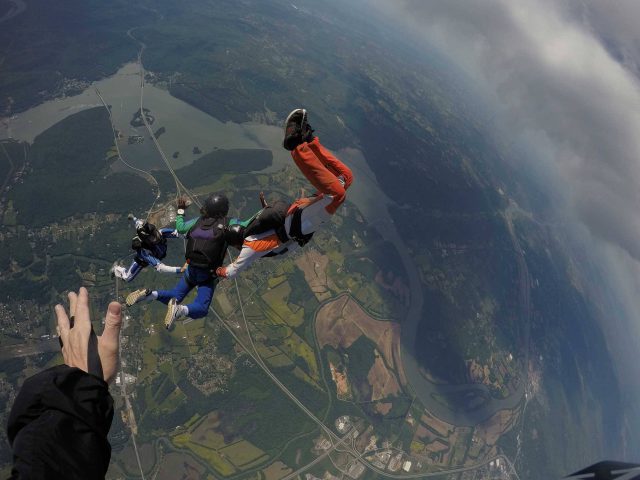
(181, 211)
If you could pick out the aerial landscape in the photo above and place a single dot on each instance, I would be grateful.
(451, 322)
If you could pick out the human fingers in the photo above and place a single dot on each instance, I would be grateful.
(63, 323)
(109, 342)
(112, 323)
(82, 314)
(73, 302)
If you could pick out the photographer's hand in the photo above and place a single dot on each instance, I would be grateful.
(80, 346)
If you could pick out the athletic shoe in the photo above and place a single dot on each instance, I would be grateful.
(118, 271)
(173, 313)
(137, 296)
(293, 128)
(307, 131)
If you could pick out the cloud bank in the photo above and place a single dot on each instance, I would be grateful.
(562, 71)
(563, 78)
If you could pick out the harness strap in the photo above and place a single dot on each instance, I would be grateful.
(295, 231)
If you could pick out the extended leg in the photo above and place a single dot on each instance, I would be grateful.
(157, 263)
(200, 305)
(128, 274)
(332, 163)
(322, 170)
(178, 292)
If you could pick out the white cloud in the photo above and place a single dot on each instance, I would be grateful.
(563, 78)
(545, 68)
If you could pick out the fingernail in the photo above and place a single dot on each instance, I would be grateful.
(115, 308)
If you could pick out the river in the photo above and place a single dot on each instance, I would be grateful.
(442, 400)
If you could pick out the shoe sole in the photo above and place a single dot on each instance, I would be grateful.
(168, 318)
(304, 113)
(286, 122)
(134, 300)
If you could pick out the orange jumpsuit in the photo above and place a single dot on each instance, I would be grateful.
(322, 169)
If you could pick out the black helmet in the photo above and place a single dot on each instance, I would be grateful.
(217, 205)
(234, 235)
(149, 234)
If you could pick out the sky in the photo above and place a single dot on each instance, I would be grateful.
(563, 79)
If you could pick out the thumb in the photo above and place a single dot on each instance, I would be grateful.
(112, 323)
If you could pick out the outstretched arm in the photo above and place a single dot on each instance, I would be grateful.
(183, 226)
(169, 232)
(59, 422)
(243, 261)
(251, 251)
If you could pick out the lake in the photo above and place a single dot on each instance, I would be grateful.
(186, 126)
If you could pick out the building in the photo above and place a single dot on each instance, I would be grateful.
(355, 470)
(395, 463)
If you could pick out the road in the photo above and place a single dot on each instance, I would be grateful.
(252, 352)
(12, 168)
(147, 175)
(125, 398)
(180, 188)
(317, 460)
(29, 349)
(525, 302)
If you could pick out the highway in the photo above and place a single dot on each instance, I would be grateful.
(129, 409)
(252, 352)
(292, 475)
(180, 188)
(145, 173)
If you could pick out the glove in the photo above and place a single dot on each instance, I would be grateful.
(221, 272)
(183, 202)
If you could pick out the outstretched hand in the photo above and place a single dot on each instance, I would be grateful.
(183, 202)
(80, 347)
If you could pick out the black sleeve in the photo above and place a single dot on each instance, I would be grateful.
(58, 426)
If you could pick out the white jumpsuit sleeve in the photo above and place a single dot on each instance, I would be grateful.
(246, 257)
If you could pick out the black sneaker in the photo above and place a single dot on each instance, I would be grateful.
(294, 128)
(307, 132)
